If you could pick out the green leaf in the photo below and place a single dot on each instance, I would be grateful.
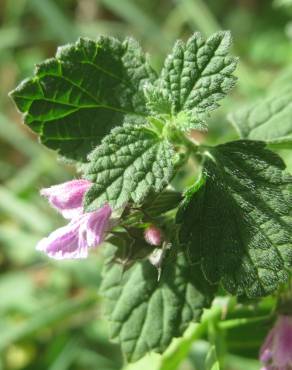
(196, 75)
(130, 163)
(76, 98)
(157, 101)
(238, 224)
(269, 120)
(163, 202)
(145, 314)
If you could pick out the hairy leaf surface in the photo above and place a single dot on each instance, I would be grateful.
(238, 224)
(163, 202)
(146, 314)
(269, 120)
(130, 163)
(196, 75)
(76, 98)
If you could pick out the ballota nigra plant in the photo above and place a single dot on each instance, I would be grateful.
(100, 105)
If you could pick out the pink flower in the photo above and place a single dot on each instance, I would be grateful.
(73, 240)
(276, 352)
(85, 230)
(67, 197)
(153, 235)
(65, 242)
(94, 226)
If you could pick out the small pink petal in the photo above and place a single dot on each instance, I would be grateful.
(266, 356)
(97, 225)
(64, 243)
(283, 343)
(67, 197)
(276, 352)
(73, 240)
(153, 235)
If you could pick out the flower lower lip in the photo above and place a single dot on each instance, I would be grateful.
(85, 230)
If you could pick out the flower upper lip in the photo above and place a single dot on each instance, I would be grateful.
(67, 197)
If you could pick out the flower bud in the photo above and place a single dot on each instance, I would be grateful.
(153, 235)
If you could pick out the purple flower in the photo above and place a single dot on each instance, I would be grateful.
(67, 197)
(153, 235)
(276, 352)
(85, 230)
(73, 240)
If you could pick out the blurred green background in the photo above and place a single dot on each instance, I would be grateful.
(50, 312)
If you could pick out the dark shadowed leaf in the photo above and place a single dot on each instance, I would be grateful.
(238, 224)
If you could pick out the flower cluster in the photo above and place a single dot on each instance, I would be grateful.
(276, 352)
(85, 230)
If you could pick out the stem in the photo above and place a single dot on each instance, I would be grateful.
(233, 323)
